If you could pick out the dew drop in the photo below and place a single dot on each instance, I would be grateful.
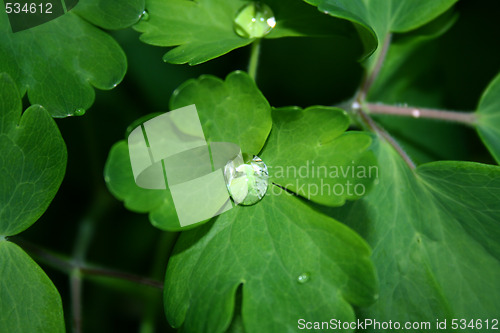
(145, 16)
(254, 20)
(247, 183)
(79, 112)
(303, 278)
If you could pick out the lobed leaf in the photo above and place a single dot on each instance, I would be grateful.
(32, 162)
(233, 110)
(408, 77)
(111, 14)
(29, 302)
(309, 153)
(375, 19)
(203, 30)
(403, 64)
(58, 63)
(488, 118)
(290, 261)
(434, 233)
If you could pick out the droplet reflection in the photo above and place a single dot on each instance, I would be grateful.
(254, 20)
(303, 278)
(247, 183)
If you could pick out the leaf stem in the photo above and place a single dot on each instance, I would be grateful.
(372, 125)
(359, 103)
(76, 283)
(370, 78)
(467, 118)
(253, 64)
(163, 251)
(67, 265)
(98, 209)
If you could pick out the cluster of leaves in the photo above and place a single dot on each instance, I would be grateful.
(421, 244)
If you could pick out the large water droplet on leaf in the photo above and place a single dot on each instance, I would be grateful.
(254, 20)
(247, 183)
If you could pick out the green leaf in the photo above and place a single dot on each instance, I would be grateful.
(120, 181)
(29, 302)
(204, 29)
(309, 153)
(58, 63)
(406, 79)
(32, 162)
(384, 16)
(434, 233)
(233, 110)
(488, 114)
(111, 14)
(404, 65)
(265, 248)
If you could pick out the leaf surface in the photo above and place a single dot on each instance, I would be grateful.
(267, 248)
(377, 18)
(408, 77)
(233, 110)
(32, 160)
(488, 112)
(111, 14)
(203, 30)
(60, 62)
(434, 233)
(310, 153)
(29, 302)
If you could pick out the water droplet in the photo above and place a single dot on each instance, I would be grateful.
(415, 113)
(254, 20)
(79, 112)
(145, 16)
(303, 278)
(247, 183)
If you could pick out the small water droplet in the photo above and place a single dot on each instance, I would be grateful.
(355, 106)
(145, 16)
(247, 183)
(254, 20)
(415, 113)
(303, 278)
(79, 112)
